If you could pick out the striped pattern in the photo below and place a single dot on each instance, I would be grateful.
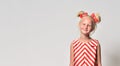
(84, 53)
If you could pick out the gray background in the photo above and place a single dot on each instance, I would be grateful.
(39, 32)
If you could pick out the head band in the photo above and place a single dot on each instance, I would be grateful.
(93, 16)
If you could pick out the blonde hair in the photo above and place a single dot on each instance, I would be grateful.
(95, 18)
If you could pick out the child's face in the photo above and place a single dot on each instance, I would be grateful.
(85, 25)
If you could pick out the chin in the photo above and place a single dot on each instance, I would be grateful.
(85, 33)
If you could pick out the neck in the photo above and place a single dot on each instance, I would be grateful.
(83, 36)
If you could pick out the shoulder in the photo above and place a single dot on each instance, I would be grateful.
(74, 41)
(96, 42)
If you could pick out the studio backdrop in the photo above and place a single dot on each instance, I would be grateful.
(39, 32)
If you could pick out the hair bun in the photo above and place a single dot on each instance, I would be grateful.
(96, 17)
(82, 13)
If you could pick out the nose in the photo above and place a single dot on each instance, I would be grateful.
(86, 26)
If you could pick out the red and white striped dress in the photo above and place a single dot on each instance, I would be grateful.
(85, 52)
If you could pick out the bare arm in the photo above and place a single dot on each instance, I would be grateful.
(71, 54)
(99, 55)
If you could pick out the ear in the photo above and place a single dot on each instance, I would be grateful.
(92, 29)
(79, 24)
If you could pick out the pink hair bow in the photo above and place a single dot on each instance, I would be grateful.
(83, 14)
(94, 18)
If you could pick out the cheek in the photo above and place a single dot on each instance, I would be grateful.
(81, 27)
(90, 29)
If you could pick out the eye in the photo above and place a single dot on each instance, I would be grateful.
(89, 25)
(83, 23)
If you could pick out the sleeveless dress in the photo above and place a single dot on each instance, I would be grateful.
(85, 52)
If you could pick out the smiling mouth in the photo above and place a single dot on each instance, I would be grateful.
(85, 30)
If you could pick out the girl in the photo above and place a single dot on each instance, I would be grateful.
(85, 51)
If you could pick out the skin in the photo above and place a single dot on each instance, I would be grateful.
(86, 27)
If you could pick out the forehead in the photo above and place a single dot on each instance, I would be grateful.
(86, 19)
